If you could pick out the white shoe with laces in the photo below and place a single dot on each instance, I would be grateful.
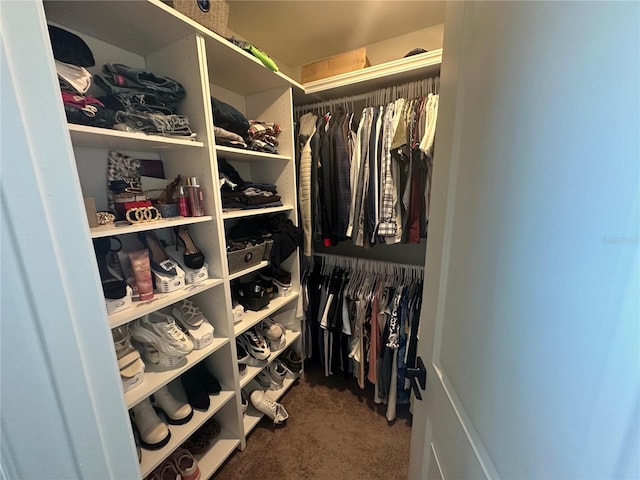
(160, 331)
(270, 408)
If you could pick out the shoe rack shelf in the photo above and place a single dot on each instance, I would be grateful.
(255, 268)
(114, 230)
(252, 318)
(160, 300)
(173, 45)
(154, 378)
(179, 433)
(253, 416)
(252, 371)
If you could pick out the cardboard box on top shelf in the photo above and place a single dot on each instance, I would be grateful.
(332, 66)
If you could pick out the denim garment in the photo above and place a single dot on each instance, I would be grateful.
(150, 82)
(155, 123)
(138, 102)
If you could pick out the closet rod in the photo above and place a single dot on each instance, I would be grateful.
(366, 264)
(409, 89)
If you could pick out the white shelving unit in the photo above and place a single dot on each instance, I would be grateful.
(171, 44)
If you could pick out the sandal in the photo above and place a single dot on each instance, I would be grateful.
(193, 257)
(161, 263)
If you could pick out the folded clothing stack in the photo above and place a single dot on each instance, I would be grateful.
(72, 55)
(143, 101)
(239, 194)
(232, 129)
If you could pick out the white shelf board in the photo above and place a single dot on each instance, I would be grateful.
(224, 445)
(160, 300)
(239, 154)
(291, 337)
(153, 380)
(179, 433)
(94, 137)
(253, 416)
(253, 268)
(123, 229)
(251, 318)
(255, 211)
(395, 72)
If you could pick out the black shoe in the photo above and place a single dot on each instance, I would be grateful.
(196, 392)
(208, 381)
(112, 287)
(193, 257)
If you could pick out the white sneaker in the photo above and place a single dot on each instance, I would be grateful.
(159, 330)
(201, 336)
(154, 433)
(187, 313)
(158, 360)
(272, 330)
(272, 409)
(129, 362)
(175, 411)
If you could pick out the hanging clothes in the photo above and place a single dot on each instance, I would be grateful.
(372, 185)
(362, 317)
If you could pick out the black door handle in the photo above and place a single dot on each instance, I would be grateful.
(420, 374)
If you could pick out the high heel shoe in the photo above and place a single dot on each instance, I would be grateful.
(112, 287)
(193, 257)
(160, 261)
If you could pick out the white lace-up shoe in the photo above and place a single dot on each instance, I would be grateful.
(270, 408)
(154, 433)
(129, 362)
(176, 412)
(160, 330)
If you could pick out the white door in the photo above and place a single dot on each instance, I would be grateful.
(530, 319)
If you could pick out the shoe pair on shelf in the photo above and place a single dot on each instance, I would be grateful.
(199, 384)
(272, 377)
(179, 466)
(152, 430)
(202, 438)
(162, 263)
(193, 322)
(275, 333)
(256, 346)
(130, 364)
(163, 343)
(113, 287)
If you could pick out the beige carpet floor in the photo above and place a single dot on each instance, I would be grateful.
(335, 431)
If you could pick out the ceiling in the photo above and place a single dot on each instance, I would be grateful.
(302, 31)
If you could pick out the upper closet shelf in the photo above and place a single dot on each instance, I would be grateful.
(239, 154)
(93, 137)
(396, 72)
(145, 27)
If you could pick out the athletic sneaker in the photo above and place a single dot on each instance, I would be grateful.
(281, 278)
(160, 331)
(255, 344)
(277, 373)
(129, 362)
(187, 313)
(264, 380)
(159, 360)
(185, 464)
(244, 402)
(272, 329)
(287, 371)
(243, 358)
(272, 409)
(292, 360)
